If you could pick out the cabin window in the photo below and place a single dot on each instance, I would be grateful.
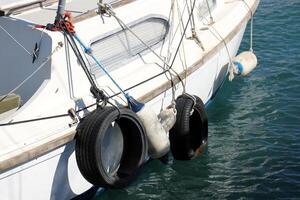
(121, 46)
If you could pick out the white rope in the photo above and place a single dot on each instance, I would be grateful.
(16, 41)
(220, 38)
(178, 25)
(209, 11)
(194, 35)
(183, 61)
(251, 26)
(106, 9)
(172, 72)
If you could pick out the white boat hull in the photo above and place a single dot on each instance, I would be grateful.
(41, 164)
(56, 175)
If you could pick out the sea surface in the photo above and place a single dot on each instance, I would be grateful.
(254, 126)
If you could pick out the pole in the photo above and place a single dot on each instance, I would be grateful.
(60, 10)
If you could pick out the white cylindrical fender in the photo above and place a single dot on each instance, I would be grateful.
(167, 118)
(158, 141)
(244, 63)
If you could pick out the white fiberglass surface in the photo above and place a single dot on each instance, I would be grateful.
(13, 3)
(203, 7)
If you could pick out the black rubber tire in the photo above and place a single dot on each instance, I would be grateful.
(89, 137)
(189, 131)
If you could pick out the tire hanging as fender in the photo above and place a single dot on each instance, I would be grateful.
(110, 135)
(190, 131)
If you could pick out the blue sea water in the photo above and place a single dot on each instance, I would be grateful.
(254, 126)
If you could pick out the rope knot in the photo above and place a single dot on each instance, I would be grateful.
(104, 9)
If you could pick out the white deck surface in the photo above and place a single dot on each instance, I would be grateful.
(46, 14)
(6, 4)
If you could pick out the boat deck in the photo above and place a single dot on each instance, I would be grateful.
(20, 151)
(44, 11)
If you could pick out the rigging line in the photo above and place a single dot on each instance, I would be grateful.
(109, 88)
(209, 11)
(193, 25)
(251, 25)
(169, 67)
(178, 25)
(34, 120)
(182, 47)
(222, 40)
(99, 64)
(97, 93)
(158, 65)
(34, 72)
(137, 37)
(168, 57)
(16, 41)
(132, 32)
(170, 26)
(80, 110)
(68, 62)
(181, 39)
(80, 58)
(184, 64)
(230, 66)
(46, 118)
(181, 16)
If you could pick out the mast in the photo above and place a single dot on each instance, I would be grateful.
(60, 10)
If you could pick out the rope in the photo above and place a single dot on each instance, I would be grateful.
(116, 94)
(46, 118)
(220, 38)
(88, 51)
(98, 94)
(123, 25)
(16, 41)
(251, 26)
(108, 10)
(209, 11)
(185, 28)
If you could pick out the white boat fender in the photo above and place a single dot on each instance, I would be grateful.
(158, 141)
(244, 63)
(167, 118)
(190, 132)
(111, 147)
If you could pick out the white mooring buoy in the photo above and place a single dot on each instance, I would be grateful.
(244, 63)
